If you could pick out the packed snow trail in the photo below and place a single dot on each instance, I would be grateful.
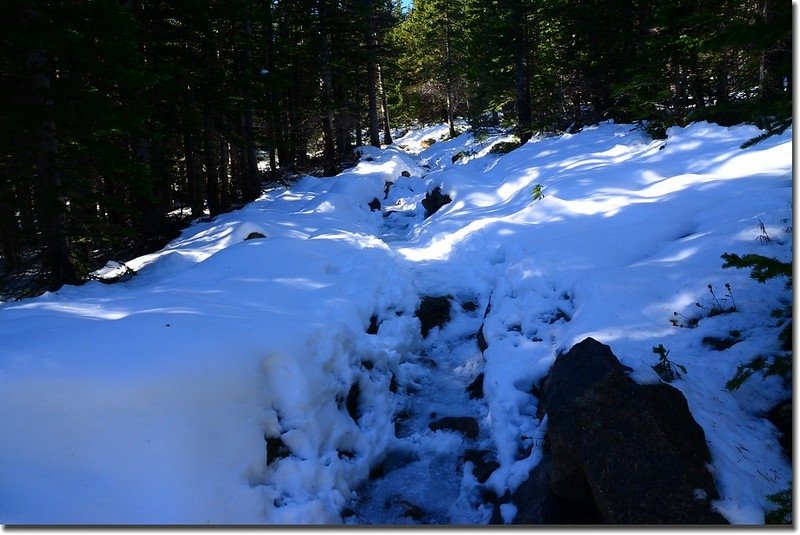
(445, 476)
(251, 381)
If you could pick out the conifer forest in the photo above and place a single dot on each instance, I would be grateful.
(124, 119)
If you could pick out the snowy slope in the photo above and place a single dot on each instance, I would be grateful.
(149, 401)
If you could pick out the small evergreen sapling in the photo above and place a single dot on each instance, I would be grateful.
(665, 368)
(780, 364)
(783, 514)
(538, 194)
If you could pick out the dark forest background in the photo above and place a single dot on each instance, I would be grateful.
(124, 120)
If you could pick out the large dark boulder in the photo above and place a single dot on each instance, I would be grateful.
(620, 452)
(434, 200)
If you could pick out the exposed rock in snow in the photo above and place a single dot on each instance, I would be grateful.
(632, 451)
(433, 312)
(434, 200)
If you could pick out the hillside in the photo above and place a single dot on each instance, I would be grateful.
(216, 385)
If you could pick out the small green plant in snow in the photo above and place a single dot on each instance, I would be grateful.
(717, 307)
(538, 194)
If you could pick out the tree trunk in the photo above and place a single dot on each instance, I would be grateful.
(372, 89)
(387, 134)
(9, 245)
(326, 86)
(522, 71)
(449, 72)
(194, 179)
(224, 180)
(50, 199)
(210, 161)
(272, 105)
(770, 77)
(357, 123)
(251, 188)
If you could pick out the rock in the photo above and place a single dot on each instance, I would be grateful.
(254, 236)
(414, 512)
(504, 147)
(113, 272)
(632, 452)
(466, 425)
(469, 306)
(276, 449)
(720, 344)
(781, 417)
(483, 345)
(393, 460)
(481, 340)
(374, 205)
(543, 507)
(386, 186)
(475, 388)
(482, 468)
(405, 174)
(373, 325)
(352, 400)
(433, 312)
(434, 200)
(425, 143)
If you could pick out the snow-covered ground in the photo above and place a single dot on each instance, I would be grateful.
(150, 400)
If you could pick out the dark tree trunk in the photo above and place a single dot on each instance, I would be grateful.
(194, 179)
(210, 162)
(272, 106)
(50, 200)
(770, 75)
(372, 77)
(9, 246)
(522, 91)
(387, 134)
(224, 180)
(251, 188)
(237, 174)
(358, 126)
(448, 59)
(326, 86)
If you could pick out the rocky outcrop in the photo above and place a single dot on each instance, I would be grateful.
(616, 451)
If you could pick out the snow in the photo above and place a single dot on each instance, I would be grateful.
(148, 401)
